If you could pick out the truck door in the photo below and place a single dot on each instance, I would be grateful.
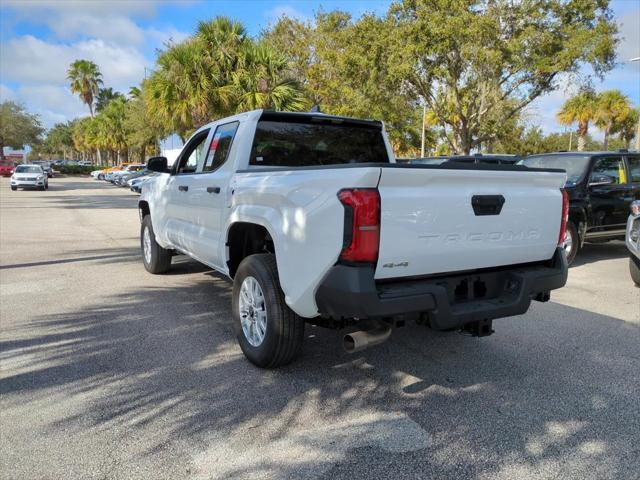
(211, 196)
(179, 189)
(608, 190)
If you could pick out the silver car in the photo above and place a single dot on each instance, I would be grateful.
(632, 238)
(29, 176)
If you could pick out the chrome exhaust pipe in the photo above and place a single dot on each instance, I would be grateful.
(357, 341)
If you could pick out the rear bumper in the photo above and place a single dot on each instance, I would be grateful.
(451, 301)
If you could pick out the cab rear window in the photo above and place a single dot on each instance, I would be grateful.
(315, 141)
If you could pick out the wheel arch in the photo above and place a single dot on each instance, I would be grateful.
(143, 208)
(244, 238)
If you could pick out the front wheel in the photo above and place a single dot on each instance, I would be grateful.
(270, 334)
(634, 270)
(571, 242)
(155, 258)
(14, 188)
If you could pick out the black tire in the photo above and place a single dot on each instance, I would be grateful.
(634, 270)
(159, 260)
(46, 186)
(284, 331)
(14, 188)
(575, 241)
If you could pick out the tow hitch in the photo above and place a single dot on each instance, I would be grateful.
(481, 328)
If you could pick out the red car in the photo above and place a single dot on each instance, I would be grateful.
(6, 169)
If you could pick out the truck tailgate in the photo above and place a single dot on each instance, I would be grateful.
(438, 220)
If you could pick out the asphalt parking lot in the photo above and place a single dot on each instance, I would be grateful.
(107, 372)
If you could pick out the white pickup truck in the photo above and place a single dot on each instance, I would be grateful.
(315, 222)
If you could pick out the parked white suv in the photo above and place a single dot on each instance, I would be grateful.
(29, 176)
(315, 222)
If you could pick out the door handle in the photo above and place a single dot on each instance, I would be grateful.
(183, 188)
(213, 189)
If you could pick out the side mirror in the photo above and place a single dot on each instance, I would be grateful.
(157, 164)
(601, 179)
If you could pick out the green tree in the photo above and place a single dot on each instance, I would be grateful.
(467, 59)
(580, 109)
(59, 140)
(105, 95)
(142, 134)
(17, 127)
(342, 66)
(612, 108)
(85, 78)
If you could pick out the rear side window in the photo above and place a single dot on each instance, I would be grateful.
(220, 146)
(634, 167)
(305, 143)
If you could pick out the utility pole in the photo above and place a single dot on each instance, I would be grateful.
(637, 59)
(424, 115)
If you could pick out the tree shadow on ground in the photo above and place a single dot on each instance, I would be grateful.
(558, 392)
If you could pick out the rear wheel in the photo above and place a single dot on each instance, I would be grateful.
(155, 258)
(571, 242)
(634, 270)
(270, 334)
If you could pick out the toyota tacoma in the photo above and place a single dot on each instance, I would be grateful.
(314, 222)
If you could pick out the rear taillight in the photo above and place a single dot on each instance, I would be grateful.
(361, 224)
(565, 217)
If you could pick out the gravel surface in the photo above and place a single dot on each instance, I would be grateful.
(107, 372)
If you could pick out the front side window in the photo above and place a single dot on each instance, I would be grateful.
(612, 167)
(193, 154)
(220, 146)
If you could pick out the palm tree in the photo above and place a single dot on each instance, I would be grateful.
(105, 96)
(179, 90)
(627, 127)
(580, 108)
(260, 82)
(612, 107)
(85, 78)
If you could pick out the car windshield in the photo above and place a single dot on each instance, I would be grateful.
(28, 169)
(574, 165)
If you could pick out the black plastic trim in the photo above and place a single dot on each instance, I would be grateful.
(352, 292)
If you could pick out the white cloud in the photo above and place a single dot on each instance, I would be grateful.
(51, 103)
(29, 60)
(112, 28)
(161, 37)
(63, 7)
(290, 11)
(629, 33)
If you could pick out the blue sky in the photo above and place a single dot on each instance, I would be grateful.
(39, 38)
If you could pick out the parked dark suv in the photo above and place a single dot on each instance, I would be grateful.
(601, 186)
